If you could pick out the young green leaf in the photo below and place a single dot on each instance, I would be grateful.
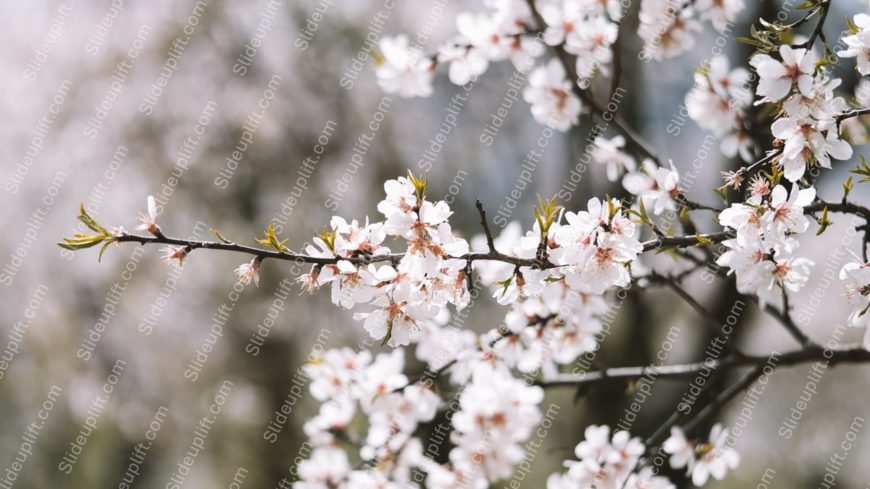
(824, 222)
(271, 239)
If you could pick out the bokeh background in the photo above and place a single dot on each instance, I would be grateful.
(58, 67)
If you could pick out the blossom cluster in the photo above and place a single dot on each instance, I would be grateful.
(496, 414)
(406, 274)
(666, 26)
(702, 460)
(554, 317)
(614, 462)
(608, 463)
(350, 383)
(403, 294)
(808, 129)
(658, 187)
(717, 103)
(761, 253)
(586, 30)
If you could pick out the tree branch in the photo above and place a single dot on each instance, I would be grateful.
(796, 357)
(483, 222)
(674, 241)
(824, 6)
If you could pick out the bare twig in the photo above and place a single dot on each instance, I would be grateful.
(817, 31)
(788, 323)
(795, 357)
(483, 222)
(709, 318)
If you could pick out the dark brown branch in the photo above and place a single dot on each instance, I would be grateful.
(676, 241)
(709, 318)
(840, 208)
(817, 30)
(796, 357)
(490, 245)
(616, 50)
(788, 323)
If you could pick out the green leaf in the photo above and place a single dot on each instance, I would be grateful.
(824, 222)
(419, 184)
(217, 234)
(775, 175)
(863, 170)
(751, 42)
(684, 214)
(546, 214)
(89, 221)
(81, 241)
(271, 239)
(103, 249)
(642, 213)
(328, 237)
(847, 188)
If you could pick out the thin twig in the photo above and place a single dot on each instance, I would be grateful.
(490, 244)
(817, 31)
(709, 318)
(804, 355)
(789, 324)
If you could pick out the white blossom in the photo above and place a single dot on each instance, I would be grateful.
(856, 278)
(776, 78)
(553, 101)
(403, 69)
(858, 44)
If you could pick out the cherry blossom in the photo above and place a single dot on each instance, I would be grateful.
(553, 101)
(803, 141)
(705, 459)
(720, 13)
(666, 28)
(248, 272)
(497, 413)
(606, 462)
(657, 186)
(778, 77)
(856, 278)
(611, 153)
(717, 103)
(760, 253)
(325, 467)
(402, 69)
(149, 220)
(786, 213)
(858, 44)
(174, 255)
